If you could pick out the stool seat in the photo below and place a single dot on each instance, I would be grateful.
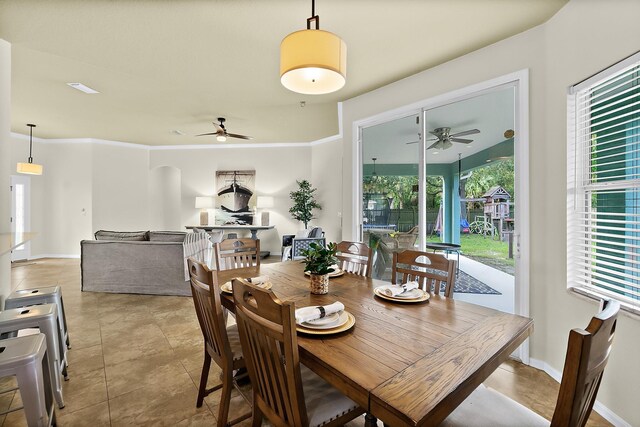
(25, 358)
(42, 295)
(45, 318)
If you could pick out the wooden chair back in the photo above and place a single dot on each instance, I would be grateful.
(587, 355)
(355, 258)
(430, 273)
(237, 253)
(209, 311)
(267, 330)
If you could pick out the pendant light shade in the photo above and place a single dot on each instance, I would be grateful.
(313, 61)
(30, 168)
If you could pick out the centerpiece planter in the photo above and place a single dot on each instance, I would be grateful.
(319, 263)
(319, 284)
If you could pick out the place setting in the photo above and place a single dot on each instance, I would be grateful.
(324, 320)
(261, 281)
(409, 292)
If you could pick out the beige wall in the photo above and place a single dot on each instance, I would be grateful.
(575, 43)
(277, 169)
(326, 168)
(5, 163)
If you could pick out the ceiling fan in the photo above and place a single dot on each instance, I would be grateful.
(221, 132)
(445, 139)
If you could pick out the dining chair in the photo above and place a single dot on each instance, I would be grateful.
(428, 269)
(221, 343)
(237, 253)
(299, 245)
(355, 258)
(587, 355)
(286, 392)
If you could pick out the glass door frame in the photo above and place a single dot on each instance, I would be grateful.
(520, 81)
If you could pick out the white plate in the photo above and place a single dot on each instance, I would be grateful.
(342, 319)
(421, 296)
(332, 318)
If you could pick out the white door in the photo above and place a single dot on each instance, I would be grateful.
(20, 209)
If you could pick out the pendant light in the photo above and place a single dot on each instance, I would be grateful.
(30, 168)
(313, 61)
(374, 166)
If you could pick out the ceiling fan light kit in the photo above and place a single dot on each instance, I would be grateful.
(30, 168)
(313, 61)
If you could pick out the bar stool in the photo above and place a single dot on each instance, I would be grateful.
(25, 358)
(37, 296)
(45, 318)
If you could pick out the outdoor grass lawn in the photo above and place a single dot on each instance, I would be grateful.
(478, 246)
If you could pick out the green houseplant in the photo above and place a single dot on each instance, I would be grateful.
(303, 202)
(319, 263)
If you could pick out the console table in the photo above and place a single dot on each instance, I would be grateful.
(253, 228)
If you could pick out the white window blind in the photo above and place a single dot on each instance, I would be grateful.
(603, 197)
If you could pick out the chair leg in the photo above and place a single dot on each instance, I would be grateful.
(256, 421)
(202, 391)
(225, 397)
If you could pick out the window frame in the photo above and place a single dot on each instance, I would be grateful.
(579, 193)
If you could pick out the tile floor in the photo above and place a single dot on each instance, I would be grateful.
(136, 359)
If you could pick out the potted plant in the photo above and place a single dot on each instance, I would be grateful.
(303, 202)
(319, 262)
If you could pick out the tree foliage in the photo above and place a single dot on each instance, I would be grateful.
(482, 179)
(402, 190)
(303, 202)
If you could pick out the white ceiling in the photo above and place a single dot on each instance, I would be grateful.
(165, 65)
(491, 113)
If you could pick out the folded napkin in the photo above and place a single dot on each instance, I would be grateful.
(259, 280)
(306, 314)
(394, 290)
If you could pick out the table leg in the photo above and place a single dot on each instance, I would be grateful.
(254, 234)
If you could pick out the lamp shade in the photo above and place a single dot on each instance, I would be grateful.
(264, 202)
(204, 202)
(313, 62)
(29, 168)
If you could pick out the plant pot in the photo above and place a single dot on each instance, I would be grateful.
(319, 284)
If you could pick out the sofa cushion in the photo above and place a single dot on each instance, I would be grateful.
(122, 235)
(167, 236)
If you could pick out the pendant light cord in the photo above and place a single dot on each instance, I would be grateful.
(31, 142)
(315, 18)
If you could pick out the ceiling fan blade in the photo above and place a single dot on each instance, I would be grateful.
(461, 140)
(235, 135)
(218, 127)
(434, 145)
(412, 142)
(205, 134)
(434, 133)
(466, 132)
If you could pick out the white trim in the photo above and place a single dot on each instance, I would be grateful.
(41, 256)
(605, 412)
(177, 147)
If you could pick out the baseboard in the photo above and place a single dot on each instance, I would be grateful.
(74, 256)
(605, 412)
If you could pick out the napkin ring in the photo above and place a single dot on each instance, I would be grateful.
(322, 311)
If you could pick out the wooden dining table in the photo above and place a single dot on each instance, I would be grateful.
(406, 364)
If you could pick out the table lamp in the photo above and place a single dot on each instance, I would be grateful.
(264, 202)
(204, 203)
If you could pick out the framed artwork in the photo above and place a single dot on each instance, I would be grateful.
(235, 197)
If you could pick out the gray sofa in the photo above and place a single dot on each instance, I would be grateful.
(145, 262)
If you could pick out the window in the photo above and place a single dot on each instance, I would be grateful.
(603, 183)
